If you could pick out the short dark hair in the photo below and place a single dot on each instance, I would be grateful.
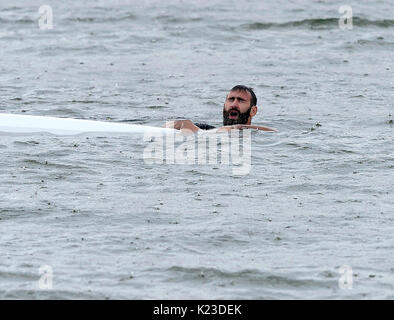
(241, 87)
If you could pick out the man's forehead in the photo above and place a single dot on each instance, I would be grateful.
(240, 93)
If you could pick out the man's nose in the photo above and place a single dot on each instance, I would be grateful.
(235, 103)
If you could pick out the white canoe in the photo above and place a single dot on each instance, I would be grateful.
(13, 123)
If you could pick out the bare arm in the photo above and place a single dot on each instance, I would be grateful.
(182, 125)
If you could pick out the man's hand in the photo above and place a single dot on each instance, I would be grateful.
(185, 126)
(245, 126)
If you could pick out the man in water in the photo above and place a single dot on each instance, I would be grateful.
(239, 109)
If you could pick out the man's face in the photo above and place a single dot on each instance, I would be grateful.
(237, 108)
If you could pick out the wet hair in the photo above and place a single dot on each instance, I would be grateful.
(253, 101)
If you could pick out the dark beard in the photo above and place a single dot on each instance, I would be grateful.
(242, 118)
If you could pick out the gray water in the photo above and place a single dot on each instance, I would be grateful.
(319, 195)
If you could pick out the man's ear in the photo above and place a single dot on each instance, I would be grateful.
(253, 111)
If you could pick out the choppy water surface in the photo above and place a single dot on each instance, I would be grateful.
(320, 192)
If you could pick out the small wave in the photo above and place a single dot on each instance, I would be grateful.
(26, 143)
(114, 18)
(371, 43)
(85, 101)
(178, 20)
(93, 18)
(17, 275)
(322, 23)
(12, 9)
(141, 119)
(74, 167)
(12, 213)
(250, 276)
(156, 107)
(64, 112)
(18, 21)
